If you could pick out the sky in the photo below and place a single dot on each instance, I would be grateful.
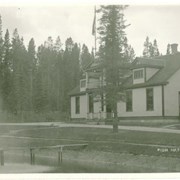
(158, 22)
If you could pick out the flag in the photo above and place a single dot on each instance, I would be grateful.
(94, 23)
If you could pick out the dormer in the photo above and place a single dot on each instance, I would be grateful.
(141, 75)
(138, 76)
(145, 68)
(90, 81)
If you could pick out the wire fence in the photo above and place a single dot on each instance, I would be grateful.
(33, 150)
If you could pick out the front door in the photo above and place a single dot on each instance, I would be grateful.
(108, 111)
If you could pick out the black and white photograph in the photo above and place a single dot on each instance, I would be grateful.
(89, 88)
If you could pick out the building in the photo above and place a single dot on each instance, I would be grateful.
(152, 89)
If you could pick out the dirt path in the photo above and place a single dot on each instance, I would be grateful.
(131, 128)
(23, 168)
(127, 161)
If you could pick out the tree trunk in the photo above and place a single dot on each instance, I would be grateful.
(115, 119)
(115, 125)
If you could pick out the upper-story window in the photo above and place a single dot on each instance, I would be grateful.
(83, 83)
(138, 74)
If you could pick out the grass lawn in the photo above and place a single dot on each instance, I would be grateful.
(146, 122)
(106, 151)
(105, 140)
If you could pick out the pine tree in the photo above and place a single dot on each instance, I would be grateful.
(86, 57)
(112, 35)
(67, 72)
(58, 45)
(155, 48)
(1, 40)
(150, 50)
(168, 51)
(20, 78)
(49, 43)
(1, 51)
(6, 73)
(69, 44)
(147, 48)
(49, 70)
(32, 62)
(58, 75)
(76, 64)
(71, 70)
(44, 66)
(39, 97)
(129, 53)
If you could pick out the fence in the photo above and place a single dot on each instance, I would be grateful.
(33, 150)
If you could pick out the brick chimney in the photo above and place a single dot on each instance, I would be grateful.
(174, 48)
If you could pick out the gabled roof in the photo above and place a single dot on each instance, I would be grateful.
(169, 65)
(76, 91)
(148, 62)
(94, 65)
(97, 64)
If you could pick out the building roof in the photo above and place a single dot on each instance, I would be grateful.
(97, 64)
(168, 65)
(76, 91)
(155, 62)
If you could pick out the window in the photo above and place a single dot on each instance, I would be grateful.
(91, 103)
(149, 99)
(128, 101)
(83, 83)
(77, 105)
(102, 102)
(138, 74)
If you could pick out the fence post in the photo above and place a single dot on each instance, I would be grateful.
(2, 157)
(60, 155)
(31, 156)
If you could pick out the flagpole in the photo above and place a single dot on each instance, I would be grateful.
(95, 32)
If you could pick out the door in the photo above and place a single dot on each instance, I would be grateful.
(108, 111)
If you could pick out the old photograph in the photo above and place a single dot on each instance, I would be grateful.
(89, 89)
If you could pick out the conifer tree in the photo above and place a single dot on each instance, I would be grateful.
(86, 56)
(112, 35)
(59, 74)
(150, 49)
(168, 51)
(1, 40)
(58, 45)
(44, 68)
(129, 53)
(20, 78)
(155, 48)
(147, 48)
(7, 73)
(31, 69)
(1, 50)
(71, 69)
(76, 64)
